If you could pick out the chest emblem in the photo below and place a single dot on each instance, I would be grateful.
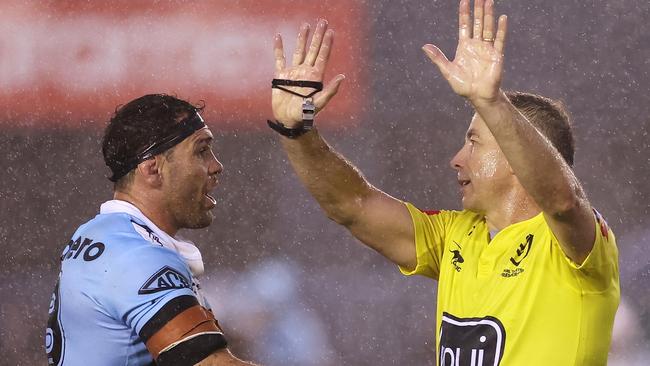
(522, 251)
(457, 258)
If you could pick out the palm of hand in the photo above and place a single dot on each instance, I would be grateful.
(476, 69)
(308, 64)
(286, 106)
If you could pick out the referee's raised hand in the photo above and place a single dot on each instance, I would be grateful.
(308, 65)
(477, 68)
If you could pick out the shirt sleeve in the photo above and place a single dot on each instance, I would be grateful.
(143, 280)
(430, 229)
(600, 269)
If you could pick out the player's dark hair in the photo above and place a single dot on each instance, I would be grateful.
(550, 117)
(138, 124)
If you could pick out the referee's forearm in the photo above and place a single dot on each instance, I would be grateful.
(538, 165)
(335, 183)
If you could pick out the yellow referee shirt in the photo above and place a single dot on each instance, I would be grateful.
(516, 299)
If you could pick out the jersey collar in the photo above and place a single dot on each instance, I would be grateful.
(186, 249)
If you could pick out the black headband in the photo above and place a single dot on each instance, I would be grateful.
(181, 131)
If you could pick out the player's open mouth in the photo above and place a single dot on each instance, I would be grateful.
(463, 182)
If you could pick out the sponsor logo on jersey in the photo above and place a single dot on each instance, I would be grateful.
(471, 341)
(90, 250)
(146, 233)
(457, 258)
(507, 272)
(166, 278)
(522, 251)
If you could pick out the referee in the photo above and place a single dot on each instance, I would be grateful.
(528, 270)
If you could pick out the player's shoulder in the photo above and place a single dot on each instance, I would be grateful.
(116, 237)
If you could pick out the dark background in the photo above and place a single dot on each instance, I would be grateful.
(348, 305)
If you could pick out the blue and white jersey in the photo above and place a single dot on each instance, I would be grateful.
(115, 278)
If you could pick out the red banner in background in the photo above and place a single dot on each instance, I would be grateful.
(71, 63)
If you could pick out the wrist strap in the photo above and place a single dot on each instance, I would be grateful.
(291, 133)
(308, 112)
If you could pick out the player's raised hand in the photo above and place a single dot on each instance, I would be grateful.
(307, 64)
(477, 68)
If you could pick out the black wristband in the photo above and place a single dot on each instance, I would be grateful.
(291, 133)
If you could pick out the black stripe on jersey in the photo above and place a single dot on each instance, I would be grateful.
(168, 312)
(192, 350)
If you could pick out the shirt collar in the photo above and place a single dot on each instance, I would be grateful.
(186, 249)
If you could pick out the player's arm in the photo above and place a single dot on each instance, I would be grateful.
(182, 332)
(377, 219)
(476, 74)
(223, 357)
(154, 298)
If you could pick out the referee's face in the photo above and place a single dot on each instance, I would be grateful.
(190, 174)
(483, 173)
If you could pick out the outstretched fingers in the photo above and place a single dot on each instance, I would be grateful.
(488, 21)
(478, 19)
(316, 42)
(278, 52)
(500, 40)
(324, 52)
(464, 20)
(301, 45)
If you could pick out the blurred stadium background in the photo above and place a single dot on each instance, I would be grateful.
(289, 286)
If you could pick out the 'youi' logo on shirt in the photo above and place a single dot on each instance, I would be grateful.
(471, 341)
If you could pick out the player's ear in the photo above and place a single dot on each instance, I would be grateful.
(150, 171)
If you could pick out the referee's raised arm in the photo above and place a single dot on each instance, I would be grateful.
(476, 74)
(377, 219)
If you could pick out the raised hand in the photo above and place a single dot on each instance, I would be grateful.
(477, 68)
(306, 65)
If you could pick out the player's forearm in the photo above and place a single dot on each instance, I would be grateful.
(539, 167)
(223, 358)
(334, 182)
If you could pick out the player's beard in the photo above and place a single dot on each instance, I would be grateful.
(189, 208)
(195, 214)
